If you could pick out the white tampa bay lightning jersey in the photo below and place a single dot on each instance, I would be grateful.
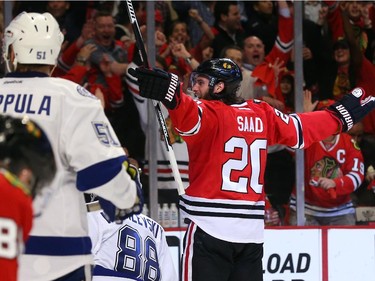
(88, 159)
(134, 250)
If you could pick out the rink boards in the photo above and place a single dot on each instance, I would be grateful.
(309, 253)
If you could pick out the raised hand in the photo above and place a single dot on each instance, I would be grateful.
(85, 53)
(277, 65)
(159, 85)
(87, 32)
(308, 105)
(352, 108)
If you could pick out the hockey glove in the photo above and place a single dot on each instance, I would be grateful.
(159, 85)
(352, 108)
(117, 215)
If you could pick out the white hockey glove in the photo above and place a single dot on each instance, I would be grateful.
(117, 215)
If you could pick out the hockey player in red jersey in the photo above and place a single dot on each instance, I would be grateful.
(227, 140)
(26, 164)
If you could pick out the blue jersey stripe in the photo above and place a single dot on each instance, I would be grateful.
(101, 271)
(58, 246)
(99, 174)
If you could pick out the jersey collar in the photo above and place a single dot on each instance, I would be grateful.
(27, 74)
(13, 180)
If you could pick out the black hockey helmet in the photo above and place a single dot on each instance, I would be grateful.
(23, 144)
(220, 70)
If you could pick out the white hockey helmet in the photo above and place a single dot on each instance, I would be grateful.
(35, 38)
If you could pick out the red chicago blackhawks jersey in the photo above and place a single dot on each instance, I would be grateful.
(342, 162)
(227, 147)
(15, 223)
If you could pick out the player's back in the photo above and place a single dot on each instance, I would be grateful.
(227, 157)
(230, 145)
(227, 147)
(133, 250)
(67, 114)
(52, 102)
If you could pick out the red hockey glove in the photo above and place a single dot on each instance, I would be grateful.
(159, 85)
(352, 108)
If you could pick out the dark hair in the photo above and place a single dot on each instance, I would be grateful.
(288, 77)
(173, 25)
(103, 13)
(222, 8)
(229, 47)
(341, 44)
(233, 99)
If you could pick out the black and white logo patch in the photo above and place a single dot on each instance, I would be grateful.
(357, 92)
(83, 92)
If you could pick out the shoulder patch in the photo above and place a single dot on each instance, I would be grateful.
(355, 144)
(83, 92)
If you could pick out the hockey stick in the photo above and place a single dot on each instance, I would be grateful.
(159, 114)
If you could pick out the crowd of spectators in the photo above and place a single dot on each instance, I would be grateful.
(338, 54)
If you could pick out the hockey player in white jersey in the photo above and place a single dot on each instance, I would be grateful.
(137, 249)
(88, 155)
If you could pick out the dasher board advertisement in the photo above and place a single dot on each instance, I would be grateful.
(292, 255)
(351, 254)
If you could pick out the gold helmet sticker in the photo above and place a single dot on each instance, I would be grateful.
(227, 65)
